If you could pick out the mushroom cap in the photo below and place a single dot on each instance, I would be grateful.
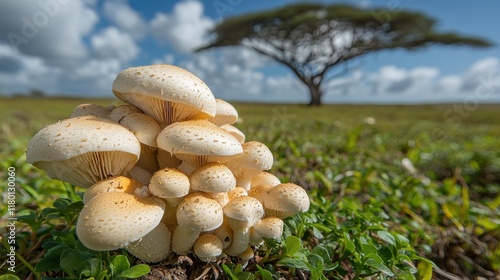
(265, 179)
(198, 138)
(255, 158)
(112, 184)
(152, 247)
(75, 136)
(212, 178)
(199, 213)
(144, 127)
(240, 136)
(169, 183)
(84, 150)
(113, 220)
(285, 200)
(118, 113)
(90, 109)
(208, 247)
(243, 212)
(165, 83)
(225, 113)
(236, 192)
(269, 227)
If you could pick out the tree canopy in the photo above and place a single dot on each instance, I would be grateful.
(311, 39)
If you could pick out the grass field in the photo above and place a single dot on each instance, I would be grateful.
(396, 192)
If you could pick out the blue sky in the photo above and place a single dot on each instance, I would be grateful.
(76, 48)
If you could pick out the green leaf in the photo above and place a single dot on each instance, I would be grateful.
(72, 259)
(118, 264)
(424, 271)
(322, 252)
(51, 262)
(293, 245)
(9, 277)
(348, 244)
(379, 266)
(264, 273)
(135, 272)
(387, 237)
(295, 263)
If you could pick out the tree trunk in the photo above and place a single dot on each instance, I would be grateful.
(316, 94)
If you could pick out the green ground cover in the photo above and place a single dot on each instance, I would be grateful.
(372, 215)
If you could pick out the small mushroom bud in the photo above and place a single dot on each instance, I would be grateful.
(152, 247)
(208, 247)
(170, 184)
(285, 200)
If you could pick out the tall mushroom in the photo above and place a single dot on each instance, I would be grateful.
(83, 150)
(165, 92)
(242, 213)
(195, 214)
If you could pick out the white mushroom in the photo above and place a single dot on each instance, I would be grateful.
(242, 213)
(118, 113)
(225, 113)
(113, 220)
(90, 109)
(268, 227)
(212, 178)
(112, 184)
(84, 150)
(196, 213)
(255, 158)
(238, 134)
(145, 129)
(152, 247)
(198, 142)
(165, 92)
(208, 247)
(170, 184)
(285, 200)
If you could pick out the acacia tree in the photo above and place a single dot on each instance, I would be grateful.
(311, 39)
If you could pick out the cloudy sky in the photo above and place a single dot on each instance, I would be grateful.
(77, 47)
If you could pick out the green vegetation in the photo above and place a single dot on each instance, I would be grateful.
(372, 215)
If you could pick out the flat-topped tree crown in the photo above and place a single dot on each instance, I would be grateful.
(311, 39)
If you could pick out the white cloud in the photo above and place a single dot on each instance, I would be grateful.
(126, 18)
(53, 32)
(184, 29)
(112, 43)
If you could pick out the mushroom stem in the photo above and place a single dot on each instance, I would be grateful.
(241, 238)
(183, 239)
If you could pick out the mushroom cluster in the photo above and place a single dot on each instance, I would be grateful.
(167, 171)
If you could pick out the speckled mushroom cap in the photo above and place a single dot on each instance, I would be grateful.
(243, 211)
(255, 158)
(152, 247)
(269, 227)
(169, 183)
(285, 200)
(83, 150)
(90, 109)
(208, 247)
(145, 128)
(198, 142)
(212, 178)
(165, 92)
(225, 114)
(113, 220)
(238, 134)
(265, 179)
(118, 113)
(112, 184)
(199, 213)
